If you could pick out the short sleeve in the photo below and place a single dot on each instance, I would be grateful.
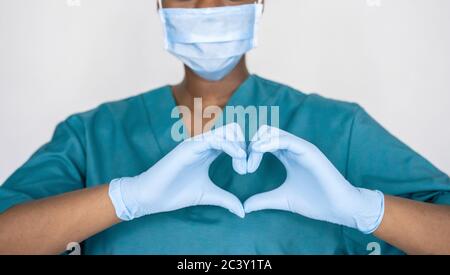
(378, 160)
(57, 167)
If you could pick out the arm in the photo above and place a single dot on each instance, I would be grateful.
(46, 226)
(177, 181)
(315, 188)
(415, 227)
(379, 160)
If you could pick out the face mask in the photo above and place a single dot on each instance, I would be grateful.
(211, 41)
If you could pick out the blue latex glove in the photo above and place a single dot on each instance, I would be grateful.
(181, 178)
(313, 188)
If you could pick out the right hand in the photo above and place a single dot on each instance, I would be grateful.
(314, 188)
(181, 178)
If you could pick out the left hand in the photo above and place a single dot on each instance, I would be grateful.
(313, 188)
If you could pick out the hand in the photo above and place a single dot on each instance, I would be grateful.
(181, 178)
(313, 188)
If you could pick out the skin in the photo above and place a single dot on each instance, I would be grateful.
(43, 226)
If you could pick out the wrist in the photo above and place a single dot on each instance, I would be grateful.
(117, 198)
(369, 214)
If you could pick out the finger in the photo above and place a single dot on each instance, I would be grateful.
(283, 158)
(240, 166)
(237, 133)
(231, 148)
(226, 139)
(254, 161)
(255, 158)
(272, 145)
(210, 141)
(215, 196)
(275, 200)
(262, 133)
(231, 132)
(283, 141)
(237, 154)
(210, 150)
(278, 147)
(234, 133)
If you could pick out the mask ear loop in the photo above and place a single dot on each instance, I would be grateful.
(262, 3)
(258, 15)
(163, 20)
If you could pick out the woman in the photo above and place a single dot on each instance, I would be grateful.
(324, 178)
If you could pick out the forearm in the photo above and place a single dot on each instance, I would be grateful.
(46, 226)
(415, 227)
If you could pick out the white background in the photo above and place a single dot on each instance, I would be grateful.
(391, 56)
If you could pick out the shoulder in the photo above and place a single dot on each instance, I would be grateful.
(282, 92)
(119, 116)
(332, 109)
(322, 107)
(117, 110)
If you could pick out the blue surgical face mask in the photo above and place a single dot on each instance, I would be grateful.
(211, 41)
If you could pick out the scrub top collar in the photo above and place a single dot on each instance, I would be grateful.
(161, 102)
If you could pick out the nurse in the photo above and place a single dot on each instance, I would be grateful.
(324, 179)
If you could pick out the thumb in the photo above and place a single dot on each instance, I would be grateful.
(215, 196)
(274, 200)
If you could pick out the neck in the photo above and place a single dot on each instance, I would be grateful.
(216, 93)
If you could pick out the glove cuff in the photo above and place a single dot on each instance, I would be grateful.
(115, 194)
(372, 216)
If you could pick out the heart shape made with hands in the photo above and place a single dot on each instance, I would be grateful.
(255, 166)
(313, 187)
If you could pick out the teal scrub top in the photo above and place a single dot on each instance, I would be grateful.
(126, 137)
